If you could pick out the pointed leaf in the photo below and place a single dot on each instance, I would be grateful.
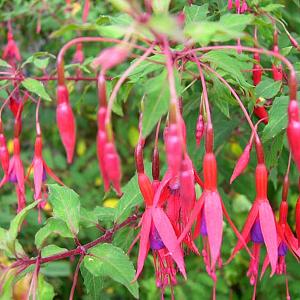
(36, 87)
(15, 226)
(53, 226)
(108, 260)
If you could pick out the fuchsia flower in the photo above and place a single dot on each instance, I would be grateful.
(11, 51)
(286, 239)
(40, 169)
(260, 227)
(66, 121)
(208, 211)
(15, 174)
(158, 234)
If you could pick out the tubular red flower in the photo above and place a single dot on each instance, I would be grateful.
(66, 121)
(293, 131)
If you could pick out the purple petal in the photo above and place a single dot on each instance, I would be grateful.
(155, 240)
(282, 249)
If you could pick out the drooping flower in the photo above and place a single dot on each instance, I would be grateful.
(208, 212)
(40, 169)
(15, 174)
(11, 51)
(260, 228)
(286, 239)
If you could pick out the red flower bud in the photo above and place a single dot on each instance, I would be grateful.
(173, 148)
(244, 7)
(261, 113)
(199, 129)
(110, 57)
(78, 55)
(256, 74)
(293, 131)
(66, 121)
(4, 155)
(242, 163)
(210, 171)
(113, 166)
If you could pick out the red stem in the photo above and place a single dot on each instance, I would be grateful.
(60, 57)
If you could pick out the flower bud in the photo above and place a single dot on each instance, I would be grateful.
(110, 57)
(66, 122)
(113, 166)
(242, 163)
(277, 73)
(199, 130)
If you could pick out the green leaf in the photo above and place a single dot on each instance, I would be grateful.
(36, 87)
(277, 118)
(105, 213)
(45, 289)
(66, 205)
(111, 261)
(15, 226)
(88, 218)
(227, 28)
(52, 250)
(92, 283)
(73, 28)
(4, 64)
(195, 13)
(121, 5)
(57, 269)
(273, 148)
(131, 198)
(157, 101)
(160, 6)
(267, 88)
(271, 7)
(53, 226)
(230, 63)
